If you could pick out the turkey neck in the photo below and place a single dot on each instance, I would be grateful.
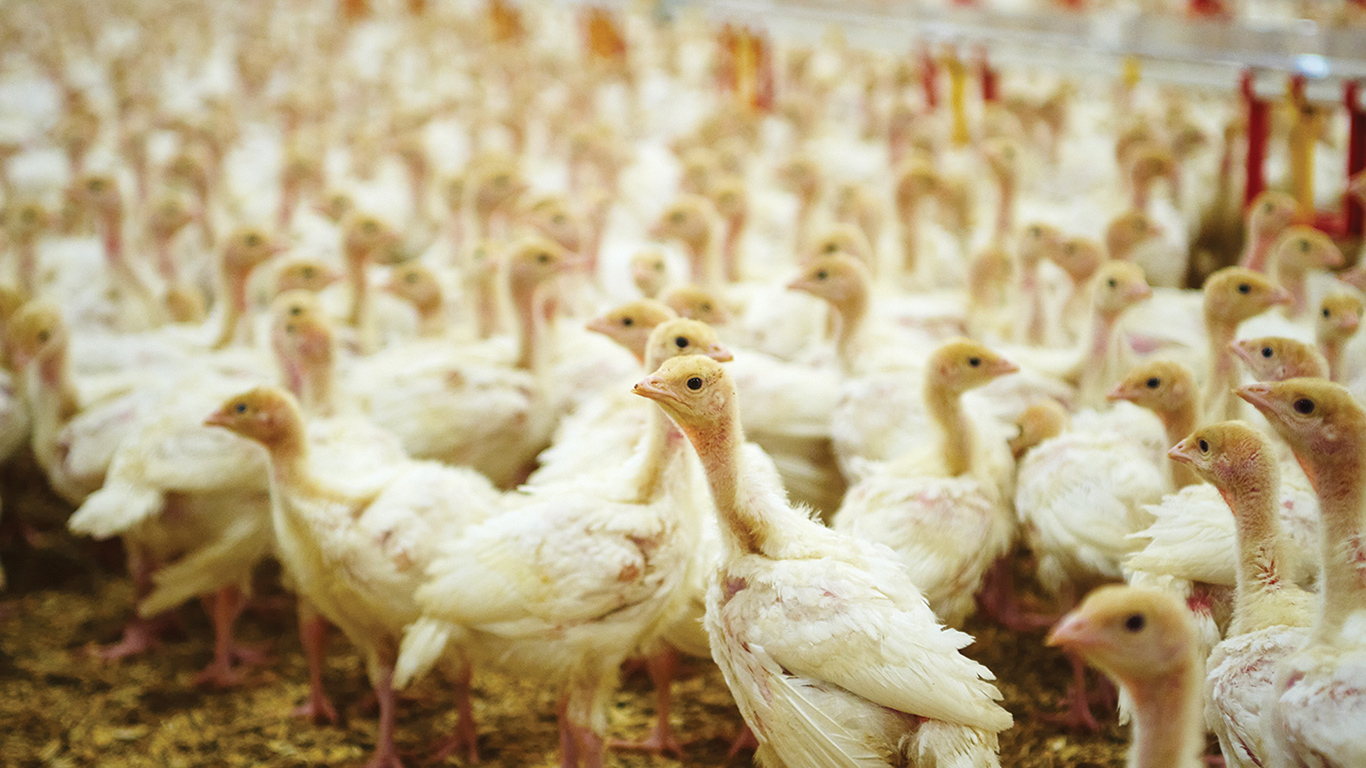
(124, 274)
(486, 305)
(1253, 500)
(1222, 377)
(525, 294)
(730, 248)
(27, 266)
(356, 260)
(910, 237)
(746, 525)
(54, 400)
(1179, 422)
(1005, 210)
(1100, 360)
(662, 444)
(233, 284)
(1174, 699)
(1258, 251)
(946, 408)
(702, 257)
(1293, 281)
(431, 321)
(852, 312)
(289, 466)
(317, 377)
(1338, 481)
(1332, 352)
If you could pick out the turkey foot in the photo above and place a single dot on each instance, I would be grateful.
(1078, 713)
(139, 636)
(745, 740)
(998, 599)
(465, 738)
(662, 666)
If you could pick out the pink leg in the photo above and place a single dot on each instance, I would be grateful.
(745, 740)
(386, 752)
(999, 599)
(139, 635)
(590, 746)
(569, 744)
(466, 736)
(227, 603)
(313, 636)
(1078, 714)
(663, 666)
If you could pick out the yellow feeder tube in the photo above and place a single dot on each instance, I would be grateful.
(1303, 133)
(958, 92)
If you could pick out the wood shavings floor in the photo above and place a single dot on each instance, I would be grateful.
(60, 706)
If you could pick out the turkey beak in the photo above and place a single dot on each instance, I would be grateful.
(600, 325)
(1241, 350)
(1071, 631)
(572, 262)
(1259, 396)
(1354, 277)
(720, 353)
(651, 387)
(1141, 293)
(1118, 393)
(1280, 296)
(219, 418)
(1332, 258)
(1183, 452)
(1004, 367)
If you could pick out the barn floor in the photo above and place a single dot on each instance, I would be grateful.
(60, 706)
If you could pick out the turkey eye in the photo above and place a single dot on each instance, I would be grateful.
(695, 383)
(43, 336)
(1154, 382)
(543, 258)
(295, 311)
(253, 240)
(1304, 406)
(659, 267)
(1244, 288)
(1267, 352)
(1112, 283)
(369, 227)
(558, 219)
(682, 342)
(677, 217)
(1304, 246)
(1268, 208)
(1327, 312)
(1135, 622)
(974, 361)
(1204, 446)
(1035, 232)
(831, 247)
(411, 277)
(822, 274)
(706, 306)
(307, 272)
(1070, 249)
(241, 408)
(628, 321)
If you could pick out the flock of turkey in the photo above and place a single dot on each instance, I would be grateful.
(541, 339)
